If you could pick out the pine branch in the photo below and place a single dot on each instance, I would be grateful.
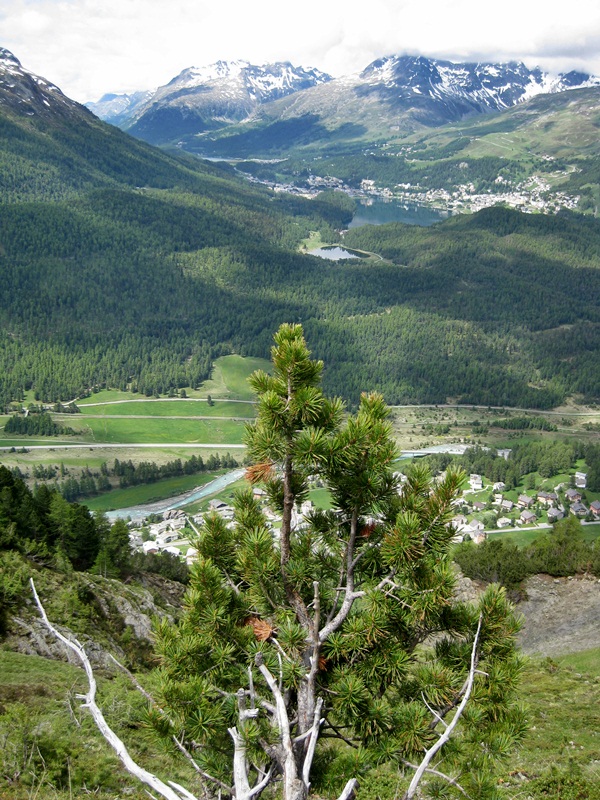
(178, 743)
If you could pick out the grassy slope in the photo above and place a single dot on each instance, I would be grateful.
(563, 699)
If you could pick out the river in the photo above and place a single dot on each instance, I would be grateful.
(137, 513)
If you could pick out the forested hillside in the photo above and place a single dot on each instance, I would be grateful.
(126, 267)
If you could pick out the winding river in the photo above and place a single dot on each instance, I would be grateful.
(137, 513)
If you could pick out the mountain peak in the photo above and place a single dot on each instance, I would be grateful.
(27, 93)
(7, 59)
(205, 98)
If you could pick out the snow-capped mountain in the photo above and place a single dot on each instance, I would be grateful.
(451, 91)
(392, 95)
(116, 108)
(203, 98)
(28, 94)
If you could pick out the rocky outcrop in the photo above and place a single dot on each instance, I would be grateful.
(109, 618)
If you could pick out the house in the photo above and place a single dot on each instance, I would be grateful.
(478, 536)
(547, 498)
(191, 556)
(573, 496)
(579, 509)
(595, 508)
(150, 547)
(163, 539)
(525, 501)
(581, 480)
(476, 482)
(504, 522)
(499, 487)
(476, 526)
(477, 506)
(459, 522)
(217, 505)
(554, 514)
(506, 506)
(527, 517)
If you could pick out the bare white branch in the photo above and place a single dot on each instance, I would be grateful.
(436, 747)
(350, 790)
(439, 774)
(90, 702)
(312, 743)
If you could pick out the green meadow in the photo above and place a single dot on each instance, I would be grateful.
(149, 492)
(168, 408)
(156, 430)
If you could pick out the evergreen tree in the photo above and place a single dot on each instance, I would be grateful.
(342, 625)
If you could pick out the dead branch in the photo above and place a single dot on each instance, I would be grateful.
(175, 793)
(436, 747)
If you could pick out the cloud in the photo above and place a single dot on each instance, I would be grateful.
(89, 47)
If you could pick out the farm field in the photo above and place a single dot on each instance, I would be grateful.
(160, 429)
(523, 538)
(168, 408)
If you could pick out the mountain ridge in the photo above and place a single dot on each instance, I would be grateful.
(204, 98)
(398, 92)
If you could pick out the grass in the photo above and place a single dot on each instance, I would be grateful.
(564, 718)
(321, 498)
(587, 662)
(51, 747)
(105, 396)
(590, 532)
(230, 377)
(34, 671)
(168, 408)
(81, 458)
(518, 537)
(160, 429)
(148, 493)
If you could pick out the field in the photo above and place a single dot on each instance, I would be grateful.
(148, 493)
(140, 429)
(423, 426)
(197, 408)
(211, 419)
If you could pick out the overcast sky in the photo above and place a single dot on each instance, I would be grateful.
(89, 47)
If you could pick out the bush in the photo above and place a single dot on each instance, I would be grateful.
(493, 561)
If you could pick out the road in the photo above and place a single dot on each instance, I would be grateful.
(57, 446)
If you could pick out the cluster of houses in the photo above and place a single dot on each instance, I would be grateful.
(161, 536)
(524, 505)
(169, 535)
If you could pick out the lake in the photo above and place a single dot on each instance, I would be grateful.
(334, 253)
(378, 211)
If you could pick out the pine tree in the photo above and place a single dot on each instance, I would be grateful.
(340, 625)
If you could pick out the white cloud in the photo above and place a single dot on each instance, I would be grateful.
(88, 47)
